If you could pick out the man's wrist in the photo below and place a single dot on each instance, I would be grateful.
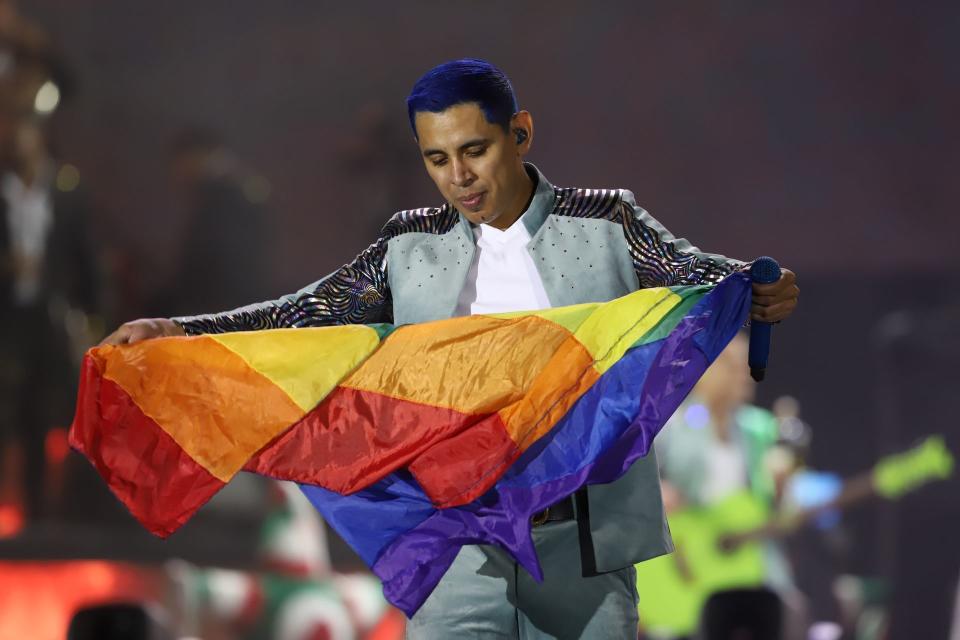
(179, 328)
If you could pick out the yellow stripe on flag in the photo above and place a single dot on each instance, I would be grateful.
(613, 327)
(306, 363)
(570, 318)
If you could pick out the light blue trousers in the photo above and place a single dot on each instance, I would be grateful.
(485, 594)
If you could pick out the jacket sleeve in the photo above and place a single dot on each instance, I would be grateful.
(661, 259)
(356, 293)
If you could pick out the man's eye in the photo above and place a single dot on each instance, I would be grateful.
(440, 162)
(475, 153)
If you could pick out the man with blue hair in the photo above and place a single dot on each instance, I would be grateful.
(506, 239)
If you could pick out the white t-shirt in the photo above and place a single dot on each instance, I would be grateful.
(29, 219)
(502, 276)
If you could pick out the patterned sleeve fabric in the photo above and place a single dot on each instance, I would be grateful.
(663, 260)
(356, 293)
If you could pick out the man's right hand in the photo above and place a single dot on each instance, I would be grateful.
(143, 329)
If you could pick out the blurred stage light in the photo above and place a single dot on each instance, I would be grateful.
(825, 631)
(57, 446)
(68, 178)
(48, 97)
(38, 598)
(11, 520)
(257, 189)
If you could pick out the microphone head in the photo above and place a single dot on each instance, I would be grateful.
(765, 270)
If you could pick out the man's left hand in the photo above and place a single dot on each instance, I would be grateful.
(775, 301)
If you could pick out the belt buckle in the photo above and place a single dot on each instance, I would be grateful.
(540, 518)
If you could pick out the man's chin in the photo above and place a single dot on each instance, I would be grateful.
(478, 217)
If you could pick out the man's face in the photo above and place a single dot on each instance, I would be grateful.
(475, 164)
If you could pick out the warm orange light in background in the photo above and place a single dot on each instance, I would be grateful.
(11, 521)
(37, 599)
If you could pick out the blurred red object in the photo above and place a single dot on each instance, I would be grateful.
(390, 627)
(11, 521)
(57, 446)
(37, 599)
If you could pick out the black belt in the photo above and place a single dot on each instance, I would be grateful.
(556, 512)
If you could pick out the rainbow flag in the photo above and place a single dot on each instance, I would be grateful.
(413, 440)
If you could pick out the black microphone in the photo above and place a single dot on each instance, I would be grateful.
(764, 270)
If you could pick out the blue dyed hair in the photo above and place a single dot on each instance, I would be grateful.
(463, 81)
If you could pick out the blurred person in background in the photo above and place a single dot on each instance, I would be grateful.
(223, 258)
(49, 288)
(473, 255)
(48, 272)
(717, 445)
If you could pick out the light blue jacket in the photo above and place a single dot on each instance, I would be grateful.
(589, 245)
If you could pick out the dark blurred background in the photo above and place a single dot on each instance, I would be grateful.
(229, 151)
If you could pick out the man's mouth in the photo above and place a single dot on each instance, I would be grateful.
(473, 202)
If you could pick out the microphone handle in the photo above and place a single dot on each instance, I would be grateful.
(764, 270)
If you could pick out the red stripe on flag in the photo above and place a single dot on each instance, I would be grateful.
(354, 438)
(145, 468)
(462, 468)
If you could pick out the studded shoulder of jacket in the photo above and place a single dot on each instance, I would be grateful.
(659, 258)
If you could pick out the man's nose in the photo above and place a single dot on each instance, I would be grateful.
(462, 176)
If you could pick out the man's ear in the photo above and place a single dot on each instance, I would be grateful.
(521, 126)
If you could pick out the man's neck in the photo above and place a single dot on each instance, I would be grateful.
(521, 202)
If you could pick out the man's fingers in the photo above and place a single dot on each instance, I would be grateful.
(787, 279)
(140, 332)
(775, 301)
(793, 293)
(783, 290)
(120, 336)
(143, 329)
(764, 301)
(773, 313)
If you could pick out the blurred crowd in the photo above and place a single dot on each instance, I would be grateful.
(62, 284)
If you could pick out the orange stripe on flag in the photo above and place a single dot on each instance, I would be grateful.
(560, 384)
(472, 365)
(204, 396)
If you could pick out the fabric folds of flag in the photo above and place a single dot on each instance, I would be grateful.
(414, 440)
